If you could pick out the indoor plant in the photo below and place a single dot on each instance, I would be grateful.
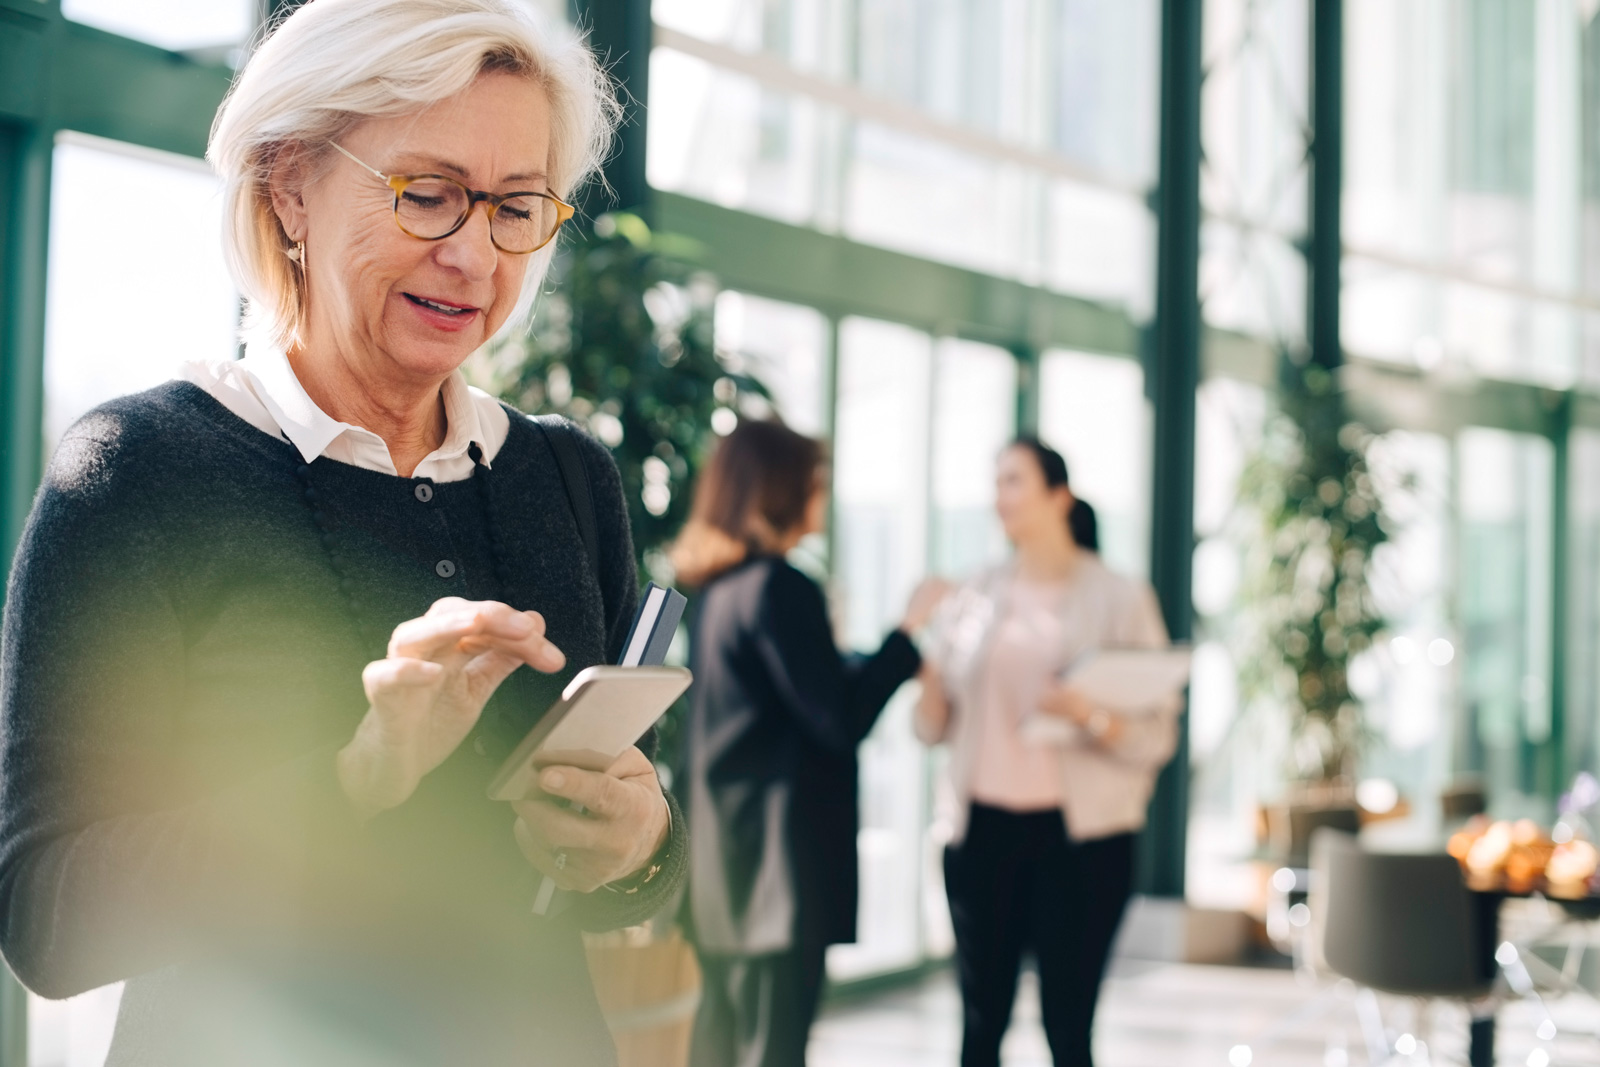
(1308, 522)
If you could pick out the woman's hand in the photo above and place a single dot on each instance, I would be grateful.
(427, 695)
(1065, 702)
(931, 720)
(625, 821)
(925, 600)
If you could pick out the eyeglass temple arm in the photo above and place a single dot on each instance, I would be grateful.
(366, 167)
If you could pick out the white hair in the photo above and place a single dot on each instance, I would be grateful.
(332, 64)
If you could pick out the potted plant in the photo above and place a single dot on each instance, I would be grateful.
(623, 344)
(1309, 520)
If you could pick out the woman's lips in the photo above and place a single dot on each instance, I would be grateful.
(442, 314)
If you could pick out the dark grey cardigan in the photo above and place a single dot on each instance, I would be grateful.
(184, 635)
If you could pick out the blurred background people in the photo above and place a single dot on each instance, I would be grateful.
(1042, 857)
(776, 714)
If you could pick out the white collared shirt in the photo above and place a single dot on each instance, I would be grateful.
(262, 390)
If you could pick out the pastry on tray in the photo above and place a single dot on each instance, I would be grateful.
(1571, 869)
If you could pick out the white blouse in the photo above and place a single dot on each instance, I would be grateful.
(262, 390)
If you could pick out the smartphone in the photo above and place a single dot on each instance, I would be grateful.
(601, 713)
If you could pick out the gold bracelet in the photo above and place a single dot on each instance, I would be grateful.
(630, 884)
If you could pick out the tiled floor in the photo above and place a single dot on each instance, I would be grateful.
(1180, 1015)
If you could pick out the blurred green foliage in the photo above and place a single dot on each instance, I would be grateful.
(622, 343)
(1308, 523)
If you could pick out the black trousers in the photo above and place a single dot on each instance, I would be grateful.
(1018, 884)
(756, 1011)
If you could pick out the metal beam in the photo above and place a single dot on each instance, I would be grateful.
(1327, 171)
(619, 32)
(1390, 396)
(1557, 766)
(1173, 377)
(25, 158)
(72, 77)
(841, 277)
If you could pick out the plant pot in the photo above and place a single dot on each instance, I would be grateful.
(1292, 821)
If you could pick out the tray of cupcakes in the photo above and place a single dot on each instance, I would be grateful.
(1521, 858)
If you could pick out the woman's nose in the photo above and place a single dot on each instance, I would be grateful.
(471, 249)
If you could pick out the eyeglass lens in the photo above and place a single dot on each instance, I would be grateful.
(431, 207)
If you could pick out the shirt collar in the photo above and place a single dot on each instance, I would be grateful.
(311, 430)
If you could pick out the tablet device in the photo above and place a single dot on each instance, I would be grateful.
(1127, 681)
(602, 712)
(1132, 680)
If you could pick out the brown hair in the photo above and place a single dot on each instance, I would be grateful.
(751, 495)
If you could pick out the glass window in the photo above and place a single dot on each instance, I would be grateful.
(1464, 186)
(1504, 483)
(75, 1032)
(1101, 246)
(1093, 409)
(1227, 775)
(1408, 687)
(931, 199)
(1105, 62)
(725, 138)
(989, 75)
(1253, 178)
(793, 30)
(880, 486)
(786, 347)
(1583, 644)
(880, 478)
(176, 25)
(130, 300)
(974, 415)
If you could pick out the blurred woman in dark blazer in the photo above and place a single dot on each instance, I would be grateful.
(776, 715)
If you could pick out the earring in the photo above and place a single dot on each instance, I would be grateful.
(297, 254)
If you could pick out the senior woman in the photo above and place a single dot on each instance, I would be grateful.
(266, 634)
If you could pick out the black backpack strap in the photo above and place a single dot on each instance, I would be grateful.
(575, 478)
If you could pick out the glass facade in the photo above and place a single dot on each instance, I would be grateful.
(953, 130)
(1253, 178)
(133, 276)
(1027, 130)
(1504, 500)
(1092, 409)
(1469, 195)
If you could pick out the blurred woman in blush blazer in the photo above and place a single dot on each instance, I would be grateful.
(1042, 858)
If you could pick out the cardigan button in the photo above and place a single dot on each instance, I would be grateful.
(479, 746)
(445, 569)
(423, 492)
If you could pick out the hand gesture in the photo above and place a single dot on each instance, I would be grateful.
(426, 696)
(1065, 702)
(624, 822)
(925, 600)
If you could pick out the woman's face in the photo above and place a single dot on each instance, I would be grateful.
(1028, 508)
(383, 299)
